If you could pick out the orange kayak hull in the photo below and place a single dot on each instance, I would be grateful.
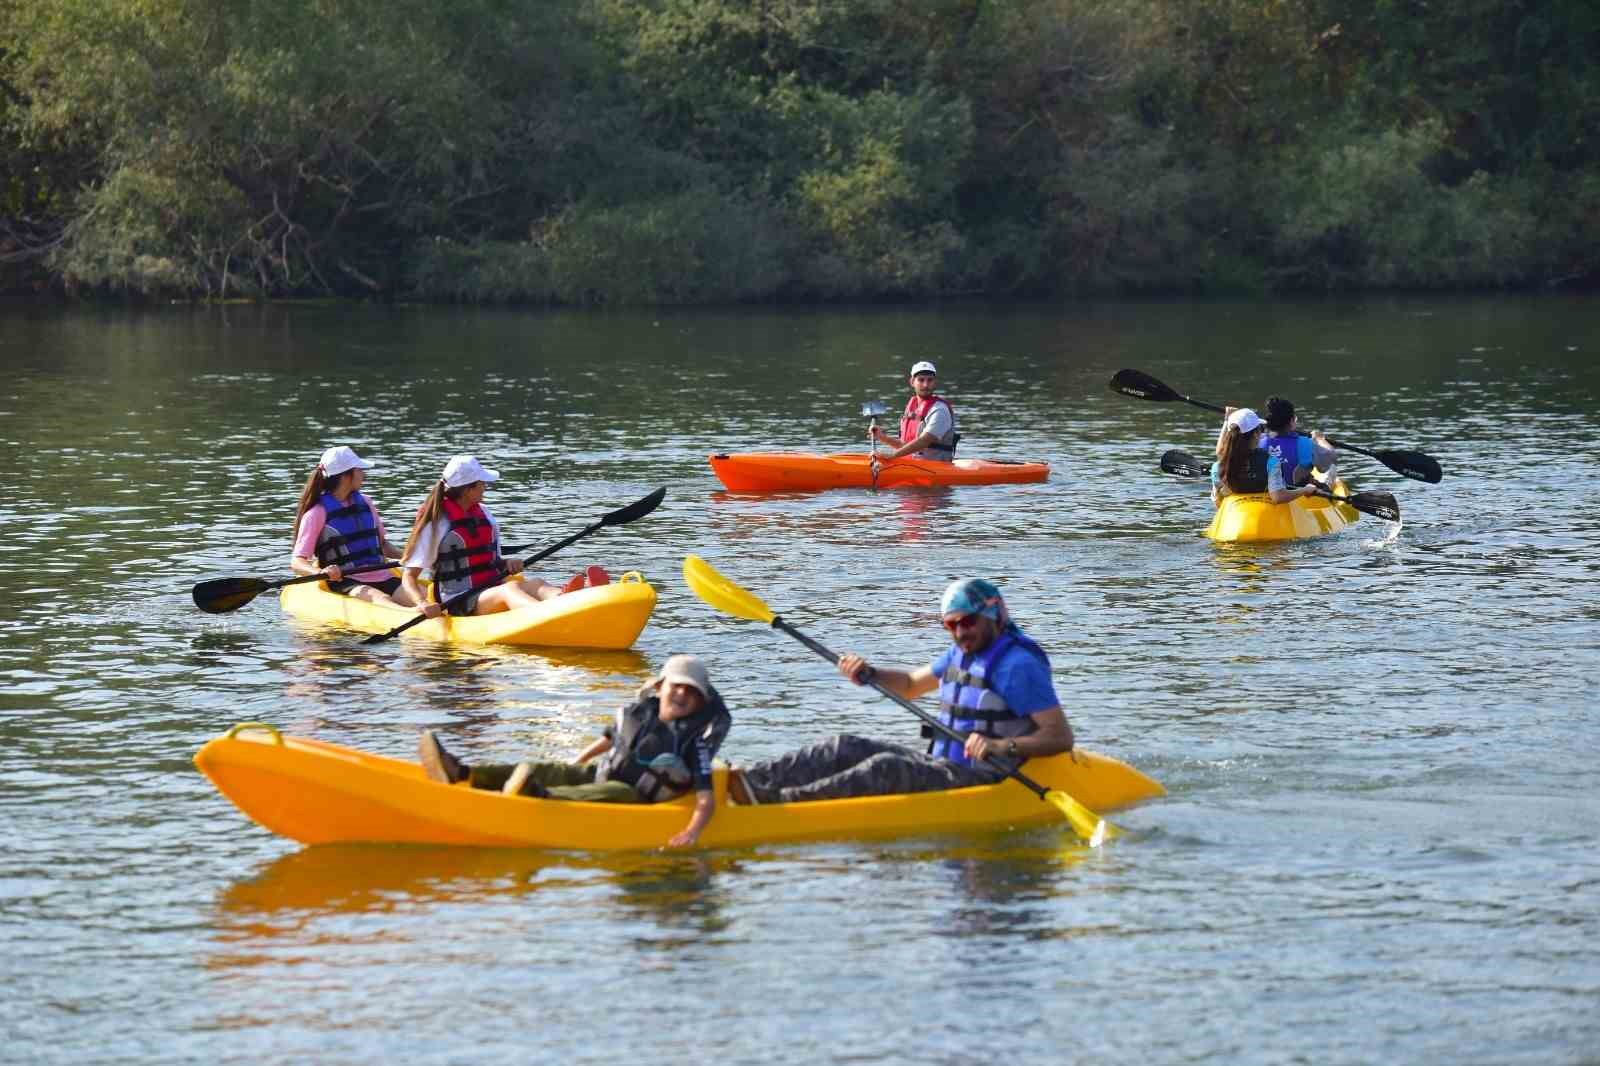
(813, 472)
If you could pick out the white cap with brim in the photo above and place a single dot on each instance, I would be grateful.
(464, 470)
(1245, 420)
(923, 367)
(337, 460)
(687, 670)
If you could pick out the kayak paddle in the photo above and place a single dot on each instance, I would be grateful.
(1377, 504)
(1183, 464)
(872, 409)
(1414, 465)
(231, 593)
(724, 595)
(620, 517)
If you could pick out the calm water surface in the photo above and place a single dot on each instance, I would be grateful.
(1380, 842)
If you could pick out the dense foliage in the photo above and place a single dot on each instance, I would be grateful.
(688, 151)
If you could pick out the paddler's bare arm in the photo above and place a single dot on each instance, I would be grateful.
(1053, 736)
(705, 805)
(909, 684)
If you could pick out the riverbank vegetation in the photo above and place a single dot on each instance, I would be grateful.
(700, 151)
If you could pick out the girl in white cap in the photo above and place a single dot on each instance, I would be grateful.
(337, 532)
(660, 746)
(457, 538)
(1244, 465)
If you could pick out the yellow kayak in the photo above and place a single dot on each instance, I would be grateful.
(608, 617)
(1251, 517)
(320, 793)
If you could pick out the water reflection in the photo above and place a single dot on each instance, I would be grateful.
(287, 897)
(849, 512)
(920, 511)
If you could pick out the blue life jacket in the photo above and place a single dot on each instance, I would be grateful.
(659, 758)
(350, 538)
(968, 705)
(1290, 450)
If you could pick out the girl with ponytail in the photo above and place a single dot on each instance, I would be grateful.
(1243, 465)
(339, 534)
(456, 537)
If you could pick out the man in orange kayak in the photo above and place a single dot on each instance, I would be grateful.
(928, 427)
(994, 688)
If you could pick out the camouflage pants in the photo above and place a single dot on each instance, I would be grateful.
(565, 780)
(847, 765)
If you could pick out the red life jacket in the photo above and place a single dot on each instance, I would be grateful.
(469, 555)
(917, 409)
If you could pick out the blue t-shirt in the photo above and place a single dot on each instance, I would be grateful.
(1020, 678)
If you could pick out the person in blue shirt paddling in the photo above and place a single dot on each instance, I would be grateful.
(994, 688)
(1298, 453)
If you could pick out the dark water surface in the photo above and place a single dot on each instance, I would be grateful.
(1380, 843)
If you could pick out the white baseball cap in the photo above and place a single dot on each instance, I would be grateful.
(1245, 420)
(464, 470)
(923, 367)
(337, 460)
(687, 670)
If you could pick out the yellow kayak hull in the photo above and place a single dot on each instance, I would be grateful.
(609, 617)
(320, 793)
(1251, 517)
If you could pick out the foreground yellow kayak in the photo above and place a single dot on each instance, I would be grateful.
(608, 617)
(1251, 517)
(319, 793)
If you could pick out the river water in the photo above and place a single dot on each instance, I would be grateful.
(1379, 843)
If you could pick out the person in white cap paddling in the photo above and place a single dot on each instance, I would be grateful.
(660, 746)
(457, 538)
(337, 530)
(928, 427)
(1244, 465)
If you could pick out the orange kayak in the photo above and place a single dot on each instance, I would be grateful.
(811, 472)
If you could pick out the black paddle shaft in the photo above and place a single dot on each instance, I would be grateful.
(231, 593)
(1414, 465)
(937, 726)
(1378, 504)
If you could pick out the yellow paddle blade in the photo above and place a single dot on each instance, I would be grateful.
(1088, 825)
(721, 593)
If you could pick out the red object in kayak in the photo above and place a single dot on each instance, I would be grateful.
(811, 472)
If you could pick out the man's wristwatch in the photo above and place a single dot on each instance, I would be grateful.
(1011, 749)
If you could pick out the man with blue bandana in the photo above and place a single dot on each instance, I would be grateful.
(994, 688)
